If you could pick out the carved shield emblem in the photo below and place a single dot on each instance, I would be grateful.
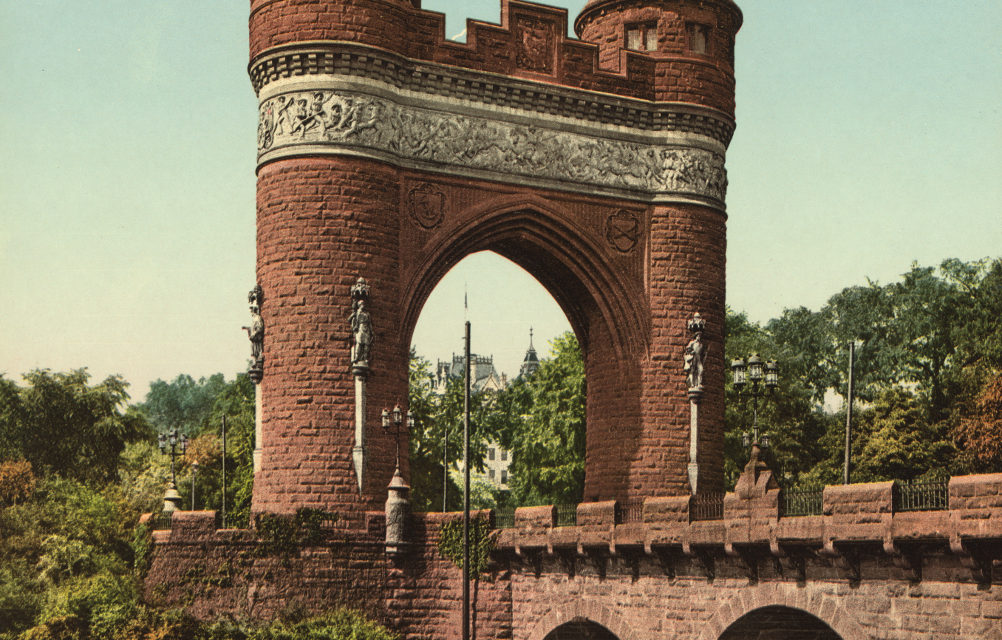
(535, 44)
(622, 230)
(427, 205)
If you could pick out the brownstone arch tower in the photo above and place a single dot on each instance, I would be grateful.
(387, 153)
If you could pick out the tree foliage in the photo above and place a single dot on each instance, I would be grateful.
(979, 431)
(61, 424)
(547, 440)
(183, 403)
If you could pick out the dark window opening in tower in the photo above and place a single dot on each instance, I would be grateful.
(642, 36)
(698, 38)
(523, 400)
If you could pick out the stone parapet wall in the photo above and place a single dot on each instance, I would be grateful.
(860, 514)
(232, 573)
(660, 576)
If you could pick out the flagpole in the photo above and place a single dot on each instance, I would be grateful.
(466, 489)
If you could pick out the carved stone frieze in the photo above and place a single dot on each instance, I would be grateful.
(316, 121)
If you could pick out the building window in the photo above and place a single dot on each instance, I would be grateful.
(699, 37)
(490, 453)
(492, 474)
(504, 455)
(504, 475)
(642, 36)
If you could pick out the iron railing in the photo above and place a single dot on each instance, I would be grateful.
(567, 515)
(160, 521)
(707, 506)
(929, 495)
(801, 502)
(504, 518)
(630, 512)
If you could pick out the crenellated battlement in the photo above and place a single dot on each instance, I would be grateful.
(529, 43)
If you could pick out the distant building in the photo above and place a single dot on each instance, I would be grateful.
(531, 361)
(483, 375)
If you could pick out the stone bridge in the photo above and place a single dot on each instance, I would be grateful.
(860, 571)
(386, 154)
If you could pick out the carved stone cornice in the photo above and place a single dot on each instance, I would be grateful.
(345, 59)
(298, 119)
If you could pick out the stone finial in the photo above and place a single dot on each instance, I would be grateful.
(255, 332)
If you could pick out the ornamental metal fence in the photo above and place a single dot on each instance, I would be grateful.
(504, 518)
(928, 495)
(707, 506)
(630, 512)
(567, 515)
(160, 521)
(806, 501)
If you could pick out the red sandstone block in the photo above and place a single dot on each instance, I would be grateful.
(858, 499)
(596, 514)
(535, 518)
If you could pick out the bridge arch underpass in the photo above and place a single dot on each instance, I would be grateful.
(779, 623)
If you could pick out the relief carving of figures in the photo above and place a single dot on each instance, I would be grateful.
(255, 332)
(365, 122)
(361, 326)
(695, 354)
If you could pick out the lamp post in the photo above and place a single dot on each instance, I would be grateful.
(194, 472)
(396, 418)
(397, 504)
(173, 444)
(755, 378)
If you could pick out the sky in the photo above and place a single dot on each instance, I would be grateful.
(869, 136)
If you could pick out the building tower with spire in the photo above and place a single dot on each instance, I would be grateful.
(531, 361)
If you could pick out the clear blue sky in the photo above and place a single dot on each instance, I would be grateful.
(869, 135)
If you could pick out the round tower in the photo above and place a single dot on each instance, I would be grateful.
(696, 35)
(687, 48)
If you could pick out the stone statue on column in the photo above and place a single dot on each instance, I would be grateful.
(360, 323)
(256, 370)
(256, 334)
(693, 359)
(695, 356)
(361, 326)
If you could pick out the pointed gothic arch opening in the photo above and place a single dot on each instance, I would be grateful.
(512, 315)
(779, 623)
(603, 303)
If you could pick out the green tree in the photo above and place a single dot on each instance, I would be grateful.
(895, 440)
(61, 424)
(233, 400)
(792, 414)
(543, 425)
(183, 403)
(436, 442)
